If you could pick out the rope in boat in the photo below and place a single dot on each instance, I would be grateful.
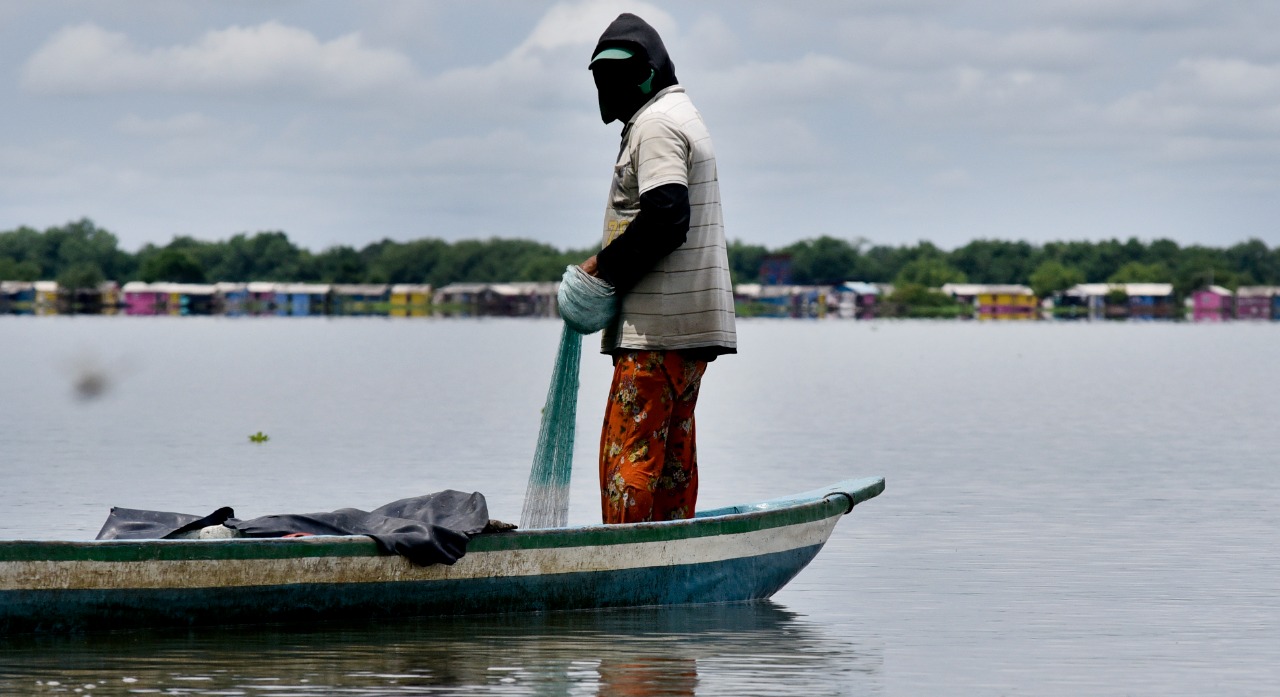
(587, 305)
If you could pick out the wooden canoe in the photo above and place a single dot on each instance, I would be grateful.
(732, 554)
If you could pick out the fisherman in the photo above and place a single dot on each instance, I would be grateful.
(664, 254)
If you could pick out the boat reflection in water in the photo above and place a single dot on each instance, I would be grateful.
(738, 649)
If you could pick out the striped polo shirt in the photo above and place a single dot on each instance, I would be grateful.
(686, 301)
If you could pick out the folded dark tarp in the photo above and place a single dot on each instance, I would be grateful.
(135, 524)
(426, 530)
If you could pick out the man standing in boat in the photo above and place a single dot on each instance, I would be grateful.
(664, 253)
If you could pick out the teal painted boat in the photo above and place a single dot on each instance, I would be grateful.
(733, 554)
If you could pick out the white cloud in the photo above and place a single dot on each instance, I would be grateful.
(1207, 97)
(789, 85)
(953, 178)
(182, 125)
(921, 72)
(579, 25)
(913, 43)
(410, 21)
(267, 58)
(23, 162)
(926, 153)
(1227, 81)
(1202, 148)
(532, 75)
(791, 147)
(1128, 15)
(712, 43)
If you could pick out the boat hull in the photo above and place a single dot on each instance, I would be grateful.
(732, 555)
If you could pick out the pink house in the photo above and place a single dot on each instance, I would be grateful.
(1255, 302)
(1211, 304)
(142, 299)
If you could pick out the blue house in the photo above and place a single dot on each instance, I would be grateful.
(231, 299)
(17, 297)
(302, 299)
(1150, 300)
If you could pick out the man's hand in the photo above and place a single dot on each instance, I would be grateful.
(589, 267)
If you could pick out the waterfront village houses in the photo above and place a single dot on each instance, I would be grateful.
(1137, 300)
(1258, 302)
(1211, 304)
(850, 300)
(996, 301)
(854, 300)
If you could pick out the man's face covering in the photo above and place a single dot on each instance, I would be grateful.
(620, 87)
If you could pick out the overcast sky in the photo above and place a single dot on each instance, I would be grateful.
(890, 120)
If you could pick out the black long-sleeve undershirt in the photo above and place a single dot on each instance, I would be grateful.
(661, 226)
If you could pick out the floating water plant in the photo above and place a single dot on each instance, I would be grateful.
(259, 437)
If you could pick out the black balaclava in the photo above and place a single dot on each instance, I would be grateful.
(624, 85)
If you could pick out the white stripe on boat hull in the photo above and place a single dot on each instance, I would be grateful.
(220, 573)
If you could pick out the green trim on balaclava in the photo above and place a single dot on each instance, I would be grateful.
(616, 53)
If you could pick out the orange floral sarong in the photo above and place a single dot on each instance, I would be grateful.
(648, 460)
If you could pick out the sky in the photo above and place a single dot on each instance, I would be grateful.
(884, 121)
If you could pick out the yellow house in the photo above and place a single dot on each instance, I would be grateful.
(46, 302)
(172, 299)
(1007, 302)
(996, 301)
(410, 300)
(110, 291)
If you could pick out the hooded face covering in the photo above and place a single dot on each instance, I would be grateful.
(623, 85)
(629, 64)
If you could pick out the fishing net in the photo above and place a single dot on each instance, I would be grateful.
(587, 305)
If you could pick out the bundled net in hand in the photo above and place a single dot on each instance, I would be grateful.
(587, 305)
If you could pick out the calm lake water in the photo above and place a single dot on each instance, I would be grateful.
(1071, 508)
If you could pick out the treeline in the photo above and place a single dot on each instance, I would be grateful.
(81, 254)
(1045, 267)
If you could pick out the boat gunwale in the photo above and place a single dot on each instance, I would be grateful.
(807, 507)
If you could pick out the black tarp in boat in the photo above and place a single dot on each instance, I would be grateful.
(430, 529)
